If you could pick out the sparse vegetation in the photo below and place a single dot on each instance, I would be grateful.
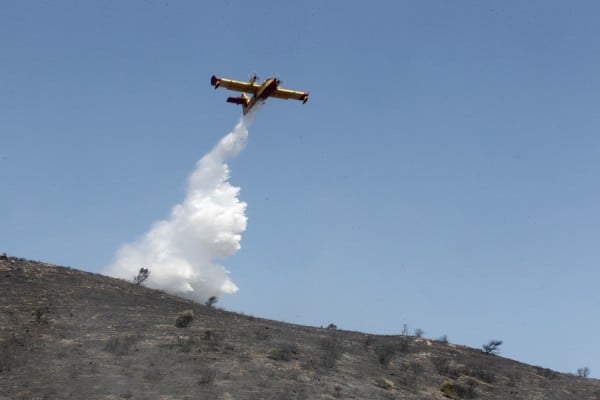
(545, 372)
(457, 391)
(330, 350)
(208, 334)
(492, 347)
(332, 326)
(185, 344)
(184, 318)
(384, 383)
(284, 352)
(41, 314)
(449, 368)
(387, 350)
(419, 332)
(337, 391)
(123, 340)
(119, 346)
(583, 372)
(142, 275)
(483, 374)
(211, 340)
(404, 330)
(207, 376)
(416, 367)
(3, 256)
(443, 339)
(385, 354)
(212, 300)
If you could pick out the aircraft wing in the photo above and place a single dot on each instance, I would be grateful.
(245, 87)
(290, 94)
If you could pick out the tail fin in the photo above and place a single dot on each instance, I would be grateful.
(216, 82)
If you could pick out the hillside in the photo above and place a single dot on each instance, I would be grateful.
(65, 333)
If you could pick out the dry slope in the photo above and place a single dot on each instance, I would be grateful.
(71, 334)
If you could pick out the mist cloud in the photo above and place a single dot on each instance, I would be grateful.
(181, 251)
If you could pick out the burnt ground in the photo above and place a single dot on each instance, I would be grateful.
(65, 333)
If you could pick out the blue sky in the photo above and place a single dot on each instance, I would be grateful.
(444, 173)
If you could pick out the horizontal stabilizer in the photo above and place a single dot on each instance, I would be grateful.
(238, 100)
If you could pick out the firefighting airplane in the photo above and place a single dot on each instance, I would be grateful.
(269, 88)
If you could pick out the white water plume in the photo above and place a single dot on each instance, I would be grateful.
(180, 252)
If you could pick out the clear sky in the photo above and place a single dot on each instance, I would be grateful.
(443, 174)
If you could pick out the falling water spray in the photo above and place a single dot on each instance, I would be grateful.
(181, 251)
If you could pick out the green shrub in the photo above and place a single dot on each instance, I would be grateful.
(457, 391)
(184, 318)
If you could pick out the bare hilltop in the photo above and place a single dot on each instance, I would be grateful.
(69, 334)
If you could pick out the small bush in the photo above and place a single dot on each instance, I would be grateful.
(386, 350)
(369, 341)
(207, 376)
(337, 391)
(416, 367)
(457, 391)
(419, 332)
(583, 372)
(120, 346)
(330, 350)
(212, 300)
(443, 339)
(492, 347)
(142, 275)
(209, 334)
(385, 353)
(41, 314)
(447, 367)
(186, 344)
(404, 330)
(285, 352)
(441, 364)
(210, 340)
(184, 318)
(384, 383)
(546, 372)
(3, 256)
(483, 374)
